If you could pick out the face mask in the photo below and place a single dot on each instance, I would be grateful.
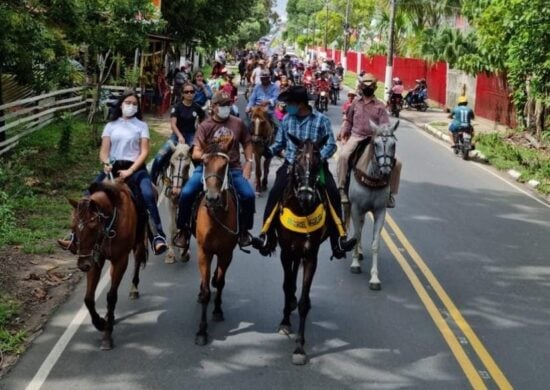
(292, 109)
(368, 91)
(223, 112)
(129, 110)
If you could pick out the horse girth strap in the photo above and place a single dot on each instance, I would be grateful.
(368, 181)
(303, 224)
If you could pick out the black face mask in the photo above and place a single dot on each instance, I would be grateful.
(368, 91)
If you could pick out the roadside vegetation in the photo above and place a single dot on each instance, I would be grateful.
(10, 341)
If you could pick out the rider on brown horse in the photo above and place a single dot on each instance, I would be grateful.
(230, 131)
(303, 123)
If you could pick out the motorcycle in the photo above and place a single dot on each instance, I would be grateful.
(322, 102)
(308, 84)
(464, 142)
(335, 90)
(297, 77)
(396, 105)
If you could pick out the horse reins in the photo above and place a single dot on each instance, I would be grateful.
(108, 232)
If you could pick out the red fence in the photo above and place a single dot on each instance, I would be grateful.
(436, 77)
(493, 99)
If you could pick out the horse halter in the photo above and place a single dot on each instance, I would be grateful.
(107, 232)
(303, 181)
(383, 160)
(176, 178)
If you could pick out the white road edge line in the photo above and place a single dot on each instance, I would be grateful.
(444, 145)
(54, 355)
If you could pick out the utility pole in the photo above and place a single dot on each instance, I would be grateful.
(389, 60)
(326, 26)
(346, 31)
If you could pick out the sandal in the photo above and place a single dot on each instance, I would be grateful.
(159, 245)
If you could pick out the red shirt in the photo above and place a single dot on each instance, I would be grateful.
(323, 85)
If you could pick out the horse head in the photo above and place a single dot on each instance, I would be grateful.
(384, 143)
(262, 129)
(215, 175)
(92, 221)
(178, 171)
(306, 170)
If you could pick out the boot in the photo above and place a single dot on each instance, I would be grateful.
(245, 239)
(265, 243)
(342, 245)
(181, 239)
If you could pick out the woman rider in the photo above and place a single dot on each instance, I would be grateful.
(203, 93)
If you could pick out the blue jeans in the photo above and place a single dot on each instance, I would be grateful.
(165, 152)
(245, 193)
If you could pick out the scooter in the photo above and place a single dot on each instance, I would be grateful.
(418, 103)
(464, 143)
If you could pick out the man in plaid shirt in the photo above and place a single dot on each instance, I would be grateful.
(303, 123)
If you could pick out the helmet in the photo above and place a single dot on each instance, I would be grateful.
(396, 80)
(462, 99)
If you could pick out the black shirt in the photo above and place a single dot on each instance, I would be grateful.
(187, 117)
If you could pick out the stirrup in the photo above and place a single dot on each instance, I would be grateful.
(163, 248)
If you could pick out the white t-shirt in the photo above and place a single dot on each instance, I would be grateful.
(126, 137)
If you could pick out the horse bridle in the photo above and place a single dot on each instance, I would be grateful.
(305, 178)
(107, 232)
(172, 178)
(384, 156)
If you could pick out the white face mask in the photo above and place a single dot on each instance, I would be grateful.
(224, 111)
(129, 110)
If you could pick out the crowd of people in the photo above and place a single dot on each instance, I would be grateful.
(204, 112)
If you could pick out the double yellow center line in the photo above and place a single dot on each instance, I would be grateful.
(452, 338)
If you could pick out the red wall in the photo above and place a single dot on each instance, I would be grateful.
(493, 99)
(352, 61)
(436, 77)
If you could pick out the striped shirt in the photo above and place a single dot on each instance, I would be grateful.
(313, 127)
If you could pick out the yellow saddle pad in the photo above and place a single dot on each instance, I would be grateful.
(305, 224)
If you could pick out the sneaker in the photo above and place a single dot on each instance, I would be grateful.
(159, 245)
(245, 239)
(391, 202)
(343, 196)
(181, 239)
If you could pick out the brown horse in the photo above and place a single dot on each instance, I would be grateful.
(216, 232)
(262, 132)
(300, 246)
(105, 226)
(173, 179)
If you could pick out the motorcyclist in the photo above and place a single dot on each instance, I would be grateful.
(322, 85)
(396, 91)
(461, 116)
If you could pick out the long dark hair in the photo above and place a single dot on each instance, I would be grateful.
(194, 79)
(117, 109)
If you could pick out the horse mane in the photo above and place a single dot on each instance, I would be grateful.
(215, 147)
(113, 191)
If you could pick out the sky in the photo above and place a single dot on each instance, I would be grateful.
(281, 8)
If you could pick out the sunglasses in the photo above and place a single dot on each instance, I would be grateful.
(188, 91)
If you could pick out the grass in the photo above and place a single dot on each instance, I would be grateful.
(531, 163)
(10, 342)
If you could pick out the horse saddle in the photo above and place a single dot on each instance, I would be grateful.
(303, 224)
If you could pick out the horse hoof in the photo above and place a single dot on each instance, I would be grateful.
(375, 286)
(218, 317)
(134, 294)
(355, 270)
(106, 345)
(285, 330)
(299, 359)
(169, 259)
(201, 340)
(185, 257)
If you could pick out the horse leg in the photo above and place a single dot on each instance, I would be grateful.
(92, 279)
(289, 287)
(223, 265)
(258, 170)
(117, 272)
(267, 162)
(310, 265)
(379, 218)
(201, 338)
(358, 219)
(140, 257)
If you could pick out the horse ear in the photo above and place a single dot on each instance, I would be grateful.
(73, 203)
(295, 140)
(319, 144)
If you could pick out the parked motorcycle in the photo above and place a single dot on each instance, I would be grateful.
(418, 104)
(464, 143)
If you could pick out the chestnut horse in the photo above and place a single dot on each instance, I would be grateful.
(262, 133)
(216, 231)
(174, 178)
(302, 197)
(106, 225)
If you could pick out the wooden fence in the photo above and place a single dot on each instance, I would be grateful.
(23, 117)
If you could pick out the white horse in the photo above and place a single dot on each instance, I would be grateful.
(173, 179)
(369, 190)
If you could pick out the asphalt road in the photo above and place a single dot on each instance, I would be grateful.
(464, 303)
